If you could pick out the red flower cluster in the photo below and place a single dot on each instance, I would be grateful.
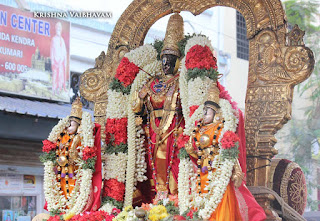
(48, 146)
(190, 213)
(54, 218)
(89, 152)
(200, 57)
(229, 140)
(118, 129)
(182, 140)
(193, 108)
(91, 216)
(126, 72)
(114, 189)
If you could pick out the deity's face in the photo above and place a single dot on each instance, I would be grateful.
(208, 115)
(72, 129)
(168, 63)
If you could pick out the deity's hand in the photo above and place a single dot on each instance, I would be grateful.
(137, 102)
(237, 175)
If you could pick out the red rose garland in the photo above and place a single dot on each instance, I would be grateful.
(88, 152)
(229, 140)
(200, 57)
(126, 72)
(48, 146)
(114, 189)
(118, 129)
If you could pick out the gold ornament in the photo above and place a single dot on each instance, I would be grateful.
(204, 140)
(174, 34)
(76, 111)
(62, 160)
(213, 97)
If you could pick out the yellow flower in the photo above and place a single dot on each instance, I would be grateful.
(68, 216)
(128, 208)
(157, 213)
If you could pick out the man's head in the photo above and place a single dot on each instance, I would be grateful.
(169, 63)
(58, 29)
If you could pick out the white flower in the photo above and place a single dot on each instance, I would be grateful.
(56, 130)
(115, 166)
(142, 55)
(198, 40)
(117, 104)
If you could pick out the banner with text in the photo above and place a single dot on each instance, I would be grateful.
(34, 55)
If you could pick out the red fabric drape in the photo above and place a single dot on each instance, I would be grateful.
(250, 209)
(94, 200)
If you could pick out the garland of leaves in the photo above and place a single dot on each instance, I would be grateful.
(202, 73)
(116, 85)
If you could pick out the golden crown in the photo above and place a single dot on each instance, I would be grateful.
(76, 110)
(213, 97)
(174, 34)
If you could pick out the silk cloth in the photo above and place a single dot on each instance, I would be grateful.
(249, 208)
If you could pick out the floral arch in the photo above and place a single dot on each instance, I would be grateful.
(278, 61)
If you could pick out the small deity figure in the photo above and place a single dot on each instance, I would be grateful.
(67, 153)
(204, 148)
(71, 155)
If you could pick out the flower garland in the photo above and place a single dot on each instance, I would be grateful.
(138, 83)
(116, 103)
(184, 185)
(115, 166)
(79, 196)
(141, 164)
(128, 78)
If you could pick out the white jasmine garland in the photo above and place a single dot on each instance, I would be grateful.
(85, 188)
(115, 166)
(51, 190)
(184, 185)
(57, 129)
(87, 139)
(138, 83)
(190, 123)
(117, 102)
(107, 207)
(142, 55)
(198, 40)
(197, 90)
(229, 115)
(141, 164)
(183, 84)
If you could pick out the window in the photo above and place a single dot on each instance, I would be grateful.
(242, 41)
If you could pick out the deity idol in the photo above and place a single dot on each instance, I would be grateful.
(159, 102)
(71, 155)
(153, 108)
